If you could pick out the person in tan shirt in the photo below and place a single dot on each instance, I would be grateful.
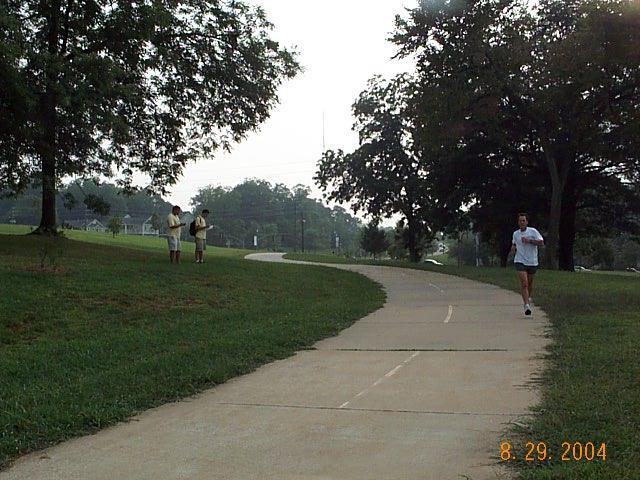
(174, 229)
(201, 235)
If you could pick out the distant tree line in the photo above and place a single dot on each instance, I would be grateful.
(83, 201)
(280, 218)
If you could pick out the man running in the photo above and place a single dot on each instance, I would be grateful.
(525, 243)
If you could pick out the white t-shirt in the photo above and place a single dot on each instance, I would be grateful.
(526, 253)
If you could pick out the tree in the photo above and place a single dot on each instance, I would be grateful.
(114, 87)
(276, 212)
(115, 225)
(77, 199)
(382, 176)
(374, 240)
(156, 223)
(556, 86)
(629, 255)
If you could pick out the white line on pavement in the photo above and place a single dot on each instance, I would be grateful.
(411, 357)
(390, 373)
(393, 372)
(446, 320)
(436, 287)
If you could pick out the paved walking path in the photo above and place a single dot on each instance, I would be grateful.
(420, 389)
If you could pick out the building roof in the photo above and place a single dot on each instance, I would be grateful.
(81, 223)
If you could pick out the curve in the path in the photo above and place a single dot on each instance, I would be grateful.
(420, 389)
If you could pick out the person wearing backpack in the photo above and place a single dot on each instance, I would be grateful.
(198, 229)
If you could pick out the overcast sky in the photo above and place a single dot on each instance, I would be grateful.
(341, 44)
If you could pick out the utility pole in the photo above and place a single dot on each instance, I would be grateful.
(302, 226)
(323, 147)
(295, 227)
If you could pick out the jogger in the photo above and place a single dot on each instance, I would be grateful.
(525, 243)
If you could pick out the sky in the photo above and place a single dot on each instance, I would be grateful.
(341, 44)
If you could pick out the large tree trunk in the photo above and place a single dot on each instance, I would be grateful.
(505, 247)
(553, 233)
(48, 125)
(414, 253)
(558, 162)
(48, 223)
(413, 241)
(568, 225)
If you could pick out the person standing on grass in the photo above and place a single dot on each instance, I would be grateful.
(174, 229)
(525, 243)
(201, 235)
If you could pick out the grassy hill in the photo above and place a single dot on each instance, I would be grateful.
(92, 332)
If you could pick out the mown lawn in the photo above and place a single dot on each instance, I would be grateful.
(92, 333)
(591, 387)
(137, 242)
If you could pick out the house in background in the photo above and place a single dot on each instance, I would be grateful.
(147, 227)
(138, 225)
(96, 225)
(132, 225)
(93, 225)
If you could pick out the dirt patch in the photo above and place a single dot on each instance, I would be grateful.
(153, 303)
(192, 302)
(47, 269)
(17, 328)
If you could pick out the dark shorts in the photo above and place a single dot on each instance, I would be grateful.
(521, 267)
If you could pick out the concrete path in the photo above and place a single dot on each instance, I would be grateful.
(420, 389)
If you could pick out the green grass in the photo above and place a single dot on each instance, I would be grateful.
(102, 332)
(328, 258)
(138, 242)
(591, 386)
(320, 258)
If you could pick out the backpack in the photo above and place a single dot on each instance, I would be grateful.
(192, 228)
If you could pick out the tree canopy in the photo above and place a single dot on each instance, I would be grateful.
(97, 87)
(374, 239)
(513, 106)
(555, 86)
(383, 176)
(83, 200)
(275, 214)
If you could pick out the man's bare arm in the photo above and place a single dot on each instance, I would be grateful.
(533, 241)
